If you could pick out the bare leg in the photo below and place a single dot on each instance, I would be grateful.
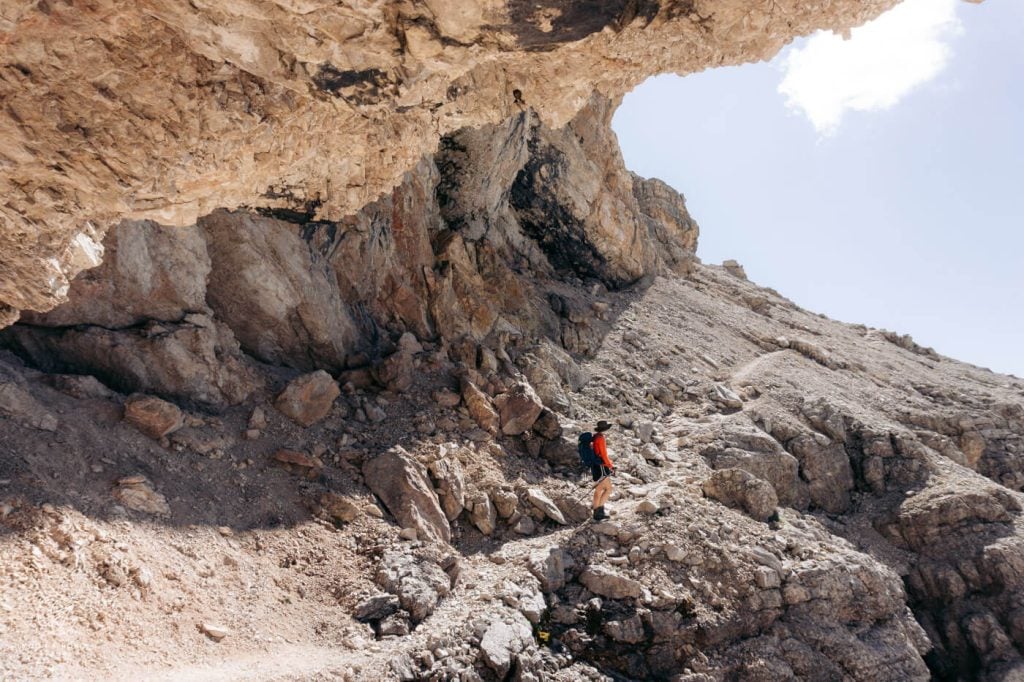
(603, 492)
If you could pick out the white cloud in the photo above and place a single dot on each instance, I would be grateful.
(877, 66)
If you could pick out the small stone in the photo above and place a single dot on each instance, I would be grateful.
(629, 631)
(152, 416)
(505, 502)
(258, 419)
(298, 459)
(525, 526)
(446, 398)
(395, 625)
(374, 413)
(647, 507)
(518, 409)
(547, 426)
(726, 397)
(214, 632)
(136, 493)
(479, 407)
(673, 553)
(766, 578)
(651, 453)
(482, 513)
(734, 268)
(339, 508)
(397, 372)
(407, 534)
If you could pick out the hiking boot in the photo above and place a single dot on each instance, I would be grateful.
(599, 514)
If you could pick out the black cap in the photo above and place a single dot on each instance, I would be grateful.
(602, 426)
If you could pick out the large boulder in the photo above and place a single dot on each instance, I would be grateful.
(518, 408)
(742, 490)
(308, 398)
(764, 457)
(402, 484)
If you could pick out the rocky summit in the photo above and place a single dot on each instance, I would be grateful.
(305, 305)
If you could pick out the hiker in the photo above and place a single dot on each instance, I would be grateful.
(601, 470)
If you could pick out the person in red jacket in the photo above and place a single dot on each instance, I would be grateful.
(601, 472)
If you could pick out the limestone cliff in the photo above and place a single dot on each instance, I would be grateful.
(168, 111)
(484, 240)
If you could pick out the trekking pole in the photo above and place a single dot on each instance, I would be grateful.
(590, 492)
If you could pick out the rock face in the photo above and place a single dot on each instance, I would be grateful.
(140, 322)
(276, 292)
(402, 483)
(149, 272)
(275, 105)
(462, 247)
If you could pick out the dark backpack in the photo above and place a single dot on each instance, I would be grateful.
(585, 447)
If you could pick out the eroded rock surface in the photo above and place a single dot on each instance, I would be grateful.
(167, 112)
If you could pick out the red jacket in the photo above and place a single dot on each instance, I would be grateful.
(601, 450)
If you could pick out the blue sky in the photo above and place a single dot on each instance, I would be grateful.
(877, 180)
